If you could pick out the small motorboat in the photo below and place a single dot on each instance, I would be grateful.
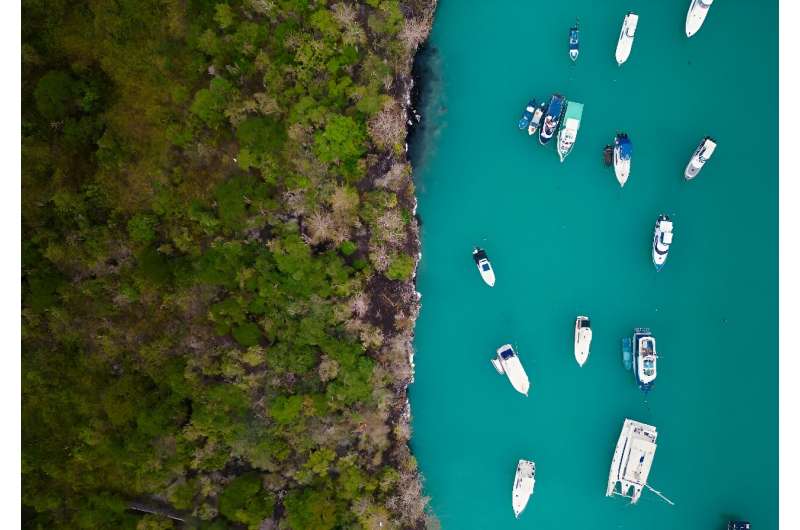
(644, 358)
(623, 149)
(608, 155)
(627, 353)
(738, 525)
(698, 9)
(527, 115)
(574, 42)
(662, 239)
(551, 119)
(524, 481)
(700, 157)
(537, 118)
(583, 339)
(484, 266)
(507, 362)
(568, 132)
(626, 35)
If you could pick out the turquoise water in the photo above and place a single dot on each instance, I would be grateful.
(566, 240)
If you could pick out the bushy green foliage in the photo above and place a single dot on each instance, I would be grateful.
(185, 335)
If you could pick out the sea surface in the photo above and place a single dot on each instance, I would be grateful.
(565, 240)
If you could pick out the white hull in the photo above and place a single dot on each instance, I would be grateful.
(583, 340)
(524, 482)
(626, 36)
(699, 158)
(510, 364)
(662, 239)
(622, 169)
(698, 9)
(633, 458)
(488, 276)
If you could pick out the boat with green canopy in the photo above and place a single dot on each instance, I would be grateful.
(569, 128)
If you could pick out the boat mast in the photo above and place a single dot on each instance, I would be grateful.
(659, 494)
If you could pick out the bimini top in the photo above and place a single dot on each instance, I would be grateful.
(625, 148)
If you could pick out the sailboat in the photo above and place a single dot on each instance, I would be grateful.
(626, 35)
(633, 458)
(524, 481)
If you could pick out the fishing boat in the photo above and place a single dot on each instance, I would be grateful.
(644, 358)
(698, 9)
(583, 339)
(574, 42)
(569, 128)
(537, 118)
(738, 525)
(627, 353)
(626, 34)
(608, 155)
(633, 458)
(699, 158)
(527, 115)
(662, 239)
(507, 362)
(484, 266)
(524, 480)
(623, 149)
(551, 119)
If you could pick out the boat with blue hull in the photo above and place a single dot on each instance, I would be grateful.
(551, 119)
(644, 358)
(574, 42)
(527, 115)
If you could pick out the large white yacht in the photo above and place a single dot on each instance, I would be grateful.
(626, 35)
(698, 9)
(524, 480)
(662, 239)
(632, 460)
(700, 157)
(583, 339)
(507, 362)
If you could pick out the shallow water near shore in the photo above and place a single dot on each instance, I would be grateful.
(566, 240)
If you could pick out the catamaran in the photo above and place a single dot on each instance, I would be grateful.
(552, 118)
(583, 339)
(484, 267)
(537, 118)
(524, 480)
(574, 42)
(507, 362)
(700, 157)
(644, 358)
(569, 128)
(527, 115)
(662, 239)
(626, 34)
(698, 9)
(623, 149)
(633, 458)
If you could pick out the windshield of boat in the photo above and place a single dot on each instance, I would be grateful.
(485, 267)
(507, 354)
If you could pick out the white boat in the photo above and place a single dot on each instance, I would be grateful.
(484, 267)
(537, 118)
(626, 34)
(583, 339)
(698, 9)
(569, 129)
(700, 157)
(662, 239)
(524, 480)
(632, 460)
(507, 362)
(623, 149)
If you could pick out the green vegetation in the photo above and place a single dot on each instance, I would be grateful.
(217, 248)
